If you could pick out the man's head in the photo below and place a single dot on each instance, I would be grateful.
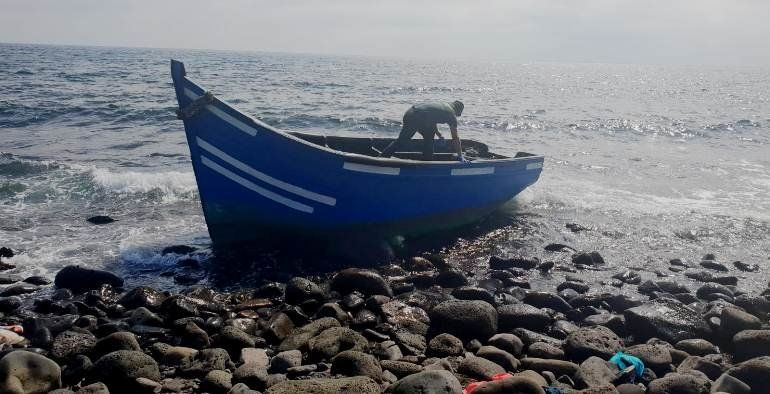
(458, 107)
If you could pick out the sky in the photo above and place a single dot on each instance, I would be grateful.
(603, 31)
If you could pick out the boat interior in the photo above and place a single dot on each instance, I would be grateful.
(411, 150)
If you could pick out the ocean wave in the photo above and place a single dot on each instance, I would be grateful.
(169, 185)
(13, 166)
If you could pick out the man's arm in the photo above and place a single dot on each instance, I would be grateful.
(456, 141)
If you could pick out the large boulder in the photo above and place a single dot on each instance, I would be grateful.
(354, 363)
(427, 382)
(751, 343)
(80, 279)
(121, 340)
(23, 372)
(366, 281)
(597, 341)
(464, 319)
(444, 345)
(142, 296)
(70, 343)
(595, 371)
(120, 370)
(334, 340)
(679, 383)
(734, 320)
(666, 319)
(522, 315)
(300, 289)
(358, 384)
(753, 372)
(299, 337)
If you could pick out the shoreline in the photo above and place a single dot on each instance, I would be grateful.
(423, 322)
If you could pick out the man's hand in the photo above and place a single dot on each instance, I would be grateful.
(461, 158)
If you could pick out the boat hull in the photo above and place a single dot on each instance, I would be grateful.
(258, 183)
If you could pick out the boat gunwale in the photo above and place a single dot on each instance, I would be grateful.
(358, 158)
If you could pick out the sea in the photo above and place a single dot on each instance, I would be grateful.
(648, 162)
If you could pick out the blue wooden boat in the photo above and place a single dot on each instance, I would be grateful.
(258, 183)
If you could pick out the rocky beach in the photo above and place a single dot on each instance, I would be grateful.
(418, 325)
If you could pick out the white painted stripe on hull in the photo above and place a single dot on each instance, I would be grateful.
(262, 176)
(250, 130)
(371, 169)
(534, 166)
(253, 187)
(473, 171)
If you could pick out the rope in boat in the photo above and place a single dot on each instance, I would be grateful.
(195, 106)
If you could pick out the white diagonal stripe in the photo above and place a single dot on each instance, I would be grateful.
(371, 169)
(250, 185)
(250, 130)
(473, 171)
(534, 166)
(264, 177)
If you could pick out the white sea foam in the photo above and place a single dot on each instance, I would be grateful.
(173, 185)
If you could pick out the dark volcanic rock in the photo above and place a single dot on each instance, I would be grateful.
(655, 357)
(79, 279)
(300, 337)
(713, 265)
(206, 361)
(729, 384)
(19, 289)
(142, 296)
(694, 363)
(595, 371)
(585, 258)
(473, 293)
(499, 357)
(366, 281)
(479, 368)
(734, 320)
(666, 319)
(544, 350)
(121, 340)
(751, 343)
(521, 262)
(100, 219)
(592, 341)
(300, 289)
(559, 367)
(678, 383)
(697, 347)
(745, 267)
(70, 343)
(6, 252)
(9, 304)
(444, 345)
(358, 384)
(464, 319)
(753, 372)
(334, 340)
(120, 369)
(355, 363)
(6, 279)
(544, 299)
(522, 315)
(508, 342)
(451, 278)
